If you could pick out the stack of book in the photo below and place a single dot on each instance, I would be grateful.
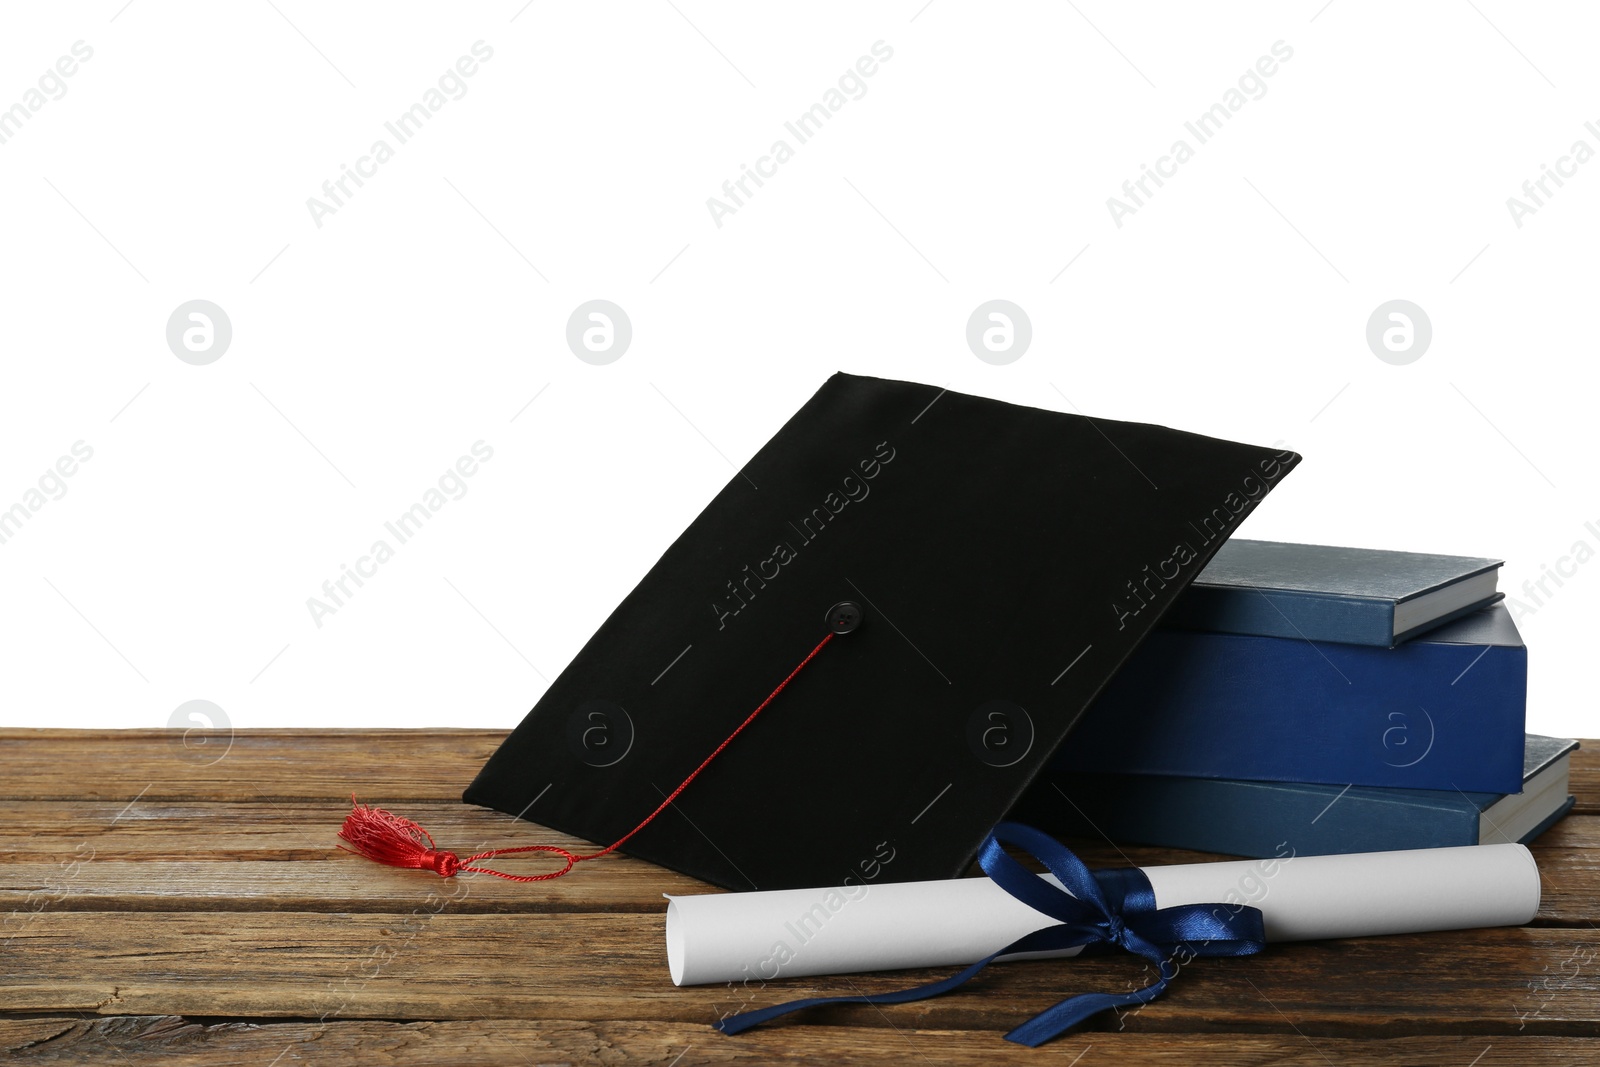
(1320, 700)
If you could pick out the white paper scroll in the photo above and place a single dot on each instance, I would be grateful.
(734, 937)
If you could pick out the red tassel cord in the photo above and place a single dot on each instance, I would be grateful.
(390, 839)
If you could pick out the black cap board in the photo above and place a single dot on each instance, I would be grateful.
(985, 568)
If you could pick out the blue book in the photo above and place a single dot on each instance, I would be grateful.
(1442, 711)
(1358, 596)
(1268, 818)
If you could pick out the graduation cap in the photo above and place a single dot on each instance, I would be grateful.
(918, 592)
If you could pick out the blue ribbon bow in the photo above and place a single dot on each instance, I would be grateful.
(1114, 907)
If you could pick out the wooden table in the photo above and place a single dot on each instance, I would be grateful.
(167, 905)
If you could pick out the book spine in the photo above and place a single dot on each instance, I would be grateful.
(1257, 819)
(1422, 716)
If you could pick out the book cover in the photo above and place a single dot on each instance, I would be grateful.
(1443, 711)
(1246, 818)
(1360, 596)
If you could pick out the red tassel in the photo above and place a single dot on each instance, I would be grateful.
(383, 836)
(388, 838)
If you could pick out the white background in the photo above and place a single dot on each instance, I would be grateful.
(421, 317)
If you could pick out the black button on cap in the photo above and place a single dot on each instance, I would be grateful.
(844, 616)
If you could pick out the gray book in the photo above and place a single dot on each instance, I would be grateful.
(1356, 596)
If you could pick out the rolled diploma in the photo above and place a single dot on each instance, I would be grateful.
(732, 937)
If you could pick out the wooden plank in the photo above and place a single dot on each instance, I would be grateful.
(300, 830)
(206, 855)
(443, 965)
(171, 1041)
(296, 829)
(350, 884)
(248, 765)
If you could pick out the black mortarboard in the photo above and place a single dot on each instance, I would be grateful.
(1005, 561)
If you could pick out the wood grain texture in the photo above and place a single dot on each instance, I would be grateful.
(158, 907)
(427, 964)
(173, 1041)
(382, 765)
(1585, 786)
(170, 855)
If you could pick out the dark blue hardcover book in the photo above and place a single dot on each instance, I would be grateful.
(1245, 818)
(1443, 711)
(1358, 596)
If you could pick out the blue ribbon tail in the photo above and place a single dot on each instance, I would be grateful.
(738, 1024)
(1049, 939)
(1054, 1022)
